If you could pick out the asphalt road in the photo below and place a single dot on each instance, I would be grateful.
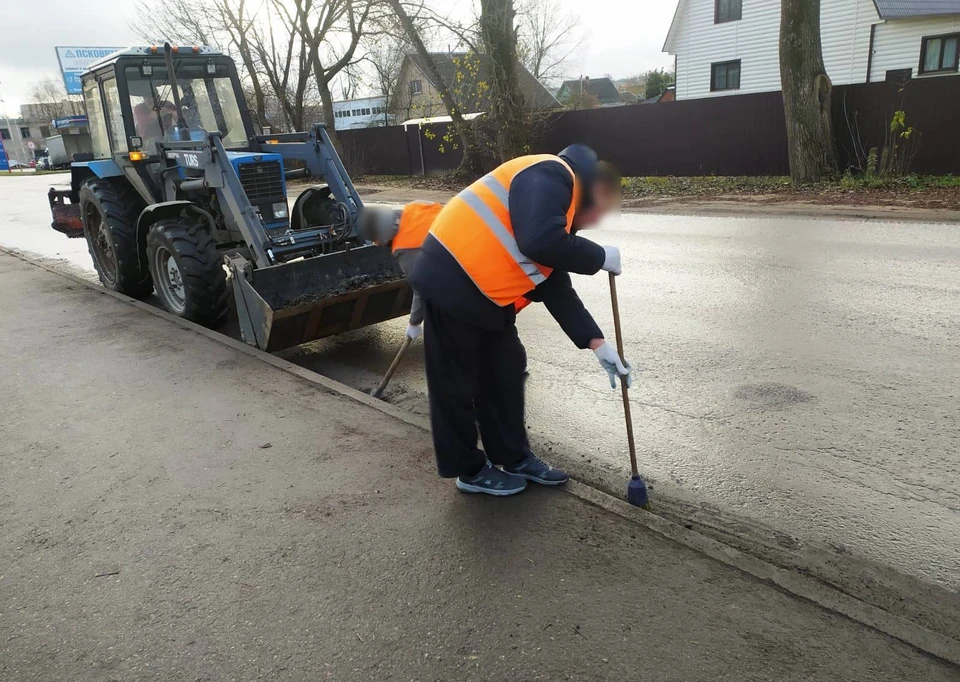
(797, 378)
(174, 509)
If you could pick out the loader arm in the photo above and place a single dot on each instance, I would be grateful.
(320, 159)
(210, 158)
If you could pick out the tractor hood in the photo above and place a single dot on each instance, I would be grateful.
(238, 158)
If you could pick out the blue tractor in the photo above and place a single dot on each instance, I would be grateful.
(183, 197)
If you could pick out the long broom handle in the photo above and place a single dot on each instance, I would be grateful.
(623, 383)
(393, 367)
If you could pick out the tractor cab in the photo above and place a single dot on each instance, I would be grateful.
(181, 188)
(132, 108)
(132, 105)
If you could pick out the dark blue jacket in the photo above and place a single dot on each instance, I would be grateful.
(539, 199)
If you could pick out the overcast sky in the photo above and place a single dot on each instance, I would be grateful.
(624, 37)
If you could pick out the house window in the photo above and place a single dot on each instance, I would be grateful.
(4, 134)
(416, 87)
(725, 76)
(24, 132)
(727, 10)
(939, 53)
(44, 131)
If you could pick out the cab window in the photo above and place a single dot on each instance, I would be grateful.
(207, 103)
(111, 97)
(97, 120)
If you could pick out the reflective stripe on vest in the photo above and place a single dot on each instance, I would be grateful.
(475, 228)
(415, 222)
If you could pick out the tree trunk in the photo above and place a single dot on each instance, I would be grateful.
(326, 99)
(471, 153)
(806, 93)
(507, 106)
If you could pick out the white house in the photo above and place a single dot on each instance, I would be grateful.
(732, 46)
(366, 112)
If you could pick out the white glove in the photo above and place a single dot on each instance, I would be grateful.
(414, 331)
(611, 263)
(611, 362)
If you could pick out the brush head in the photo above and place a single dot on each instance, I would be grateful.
(637, 493)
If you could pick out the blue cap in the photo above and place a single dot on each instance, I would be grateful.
(583, 160)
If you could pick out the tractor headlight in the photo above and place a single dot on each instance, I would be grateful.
(280, 210)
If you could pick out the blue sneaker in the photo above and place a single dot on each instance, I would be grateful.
(492, 481)
(535, 469)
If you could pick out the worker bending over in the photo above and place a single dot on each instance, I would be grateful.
(509, 236)
(403, 230)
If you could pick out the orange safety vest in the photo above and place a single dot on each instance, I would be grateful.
(475, 228)
(415, 221)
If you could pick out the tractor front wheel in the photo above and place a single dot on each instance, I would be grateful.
(109, 211)
(186, 270)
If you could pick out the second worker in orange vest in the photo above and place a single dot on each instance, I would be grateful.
(510, 235)
(403, 230)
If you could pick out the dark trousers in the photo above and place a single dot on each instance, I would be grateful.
(475, 377)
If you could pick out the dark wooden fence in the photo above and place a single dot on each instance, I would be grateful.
(738, 135)
(862, 115)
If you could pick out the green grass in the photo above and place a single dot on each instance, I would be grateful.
(719, 186)
(906, 182)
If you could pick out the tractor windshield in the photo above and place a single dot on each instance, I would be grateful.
(207, 99)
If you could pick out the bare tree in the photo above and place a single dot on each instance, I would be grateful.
(471, 154)
(507, 105)
(329, 33)
(547, 38)
(281, 57)
(240, 24)
(227, 25)
(385, 56)
(48, 100)
(806, 93)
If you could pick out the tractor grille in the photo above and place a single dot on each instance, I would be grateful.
(262, 181)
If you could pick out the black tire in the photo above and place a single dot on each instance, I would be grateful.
(201, 294)
(109, 211)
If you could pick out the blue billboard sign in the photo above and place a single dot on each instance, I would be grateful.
(70, 122)
(75, 60)
(4, 164)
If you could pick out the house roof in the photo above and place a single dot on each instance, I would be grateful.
(534, 94)
(601, 88)
(902, 9)
(674, 26)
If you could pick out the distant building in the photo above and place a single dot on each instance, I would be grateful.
(467, 76)
(35, 125)
(726, 47)
(366, 112)
(577, 93)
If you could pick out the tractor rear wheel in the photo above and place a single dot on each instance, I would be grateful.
(186, 270)
(109, 212)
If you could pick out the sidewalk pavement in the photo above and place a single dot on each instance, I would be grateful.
(174, 509)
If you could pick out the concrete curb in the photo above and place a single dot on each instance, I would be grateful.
(792, 582)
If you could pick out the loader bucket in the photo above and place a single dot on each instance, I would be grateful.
(285, 305)
(66, 216)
